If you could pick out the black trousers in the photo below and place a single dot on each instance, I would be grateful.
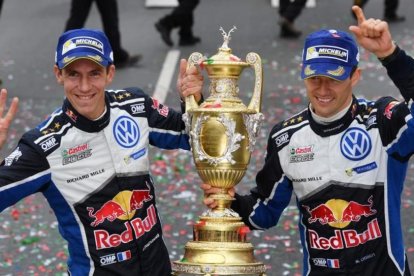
(390, 6)
(182, 17)
(108, 10)
(291, 10)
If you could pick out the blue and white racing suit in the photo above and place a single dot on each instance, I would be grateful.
(95, 177)
(347, 178)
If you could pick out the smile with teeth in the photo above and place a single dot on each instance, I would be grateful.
(324, 100)
(85, 97)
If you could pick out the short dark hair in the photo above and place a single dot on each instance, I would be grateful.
(353, 71)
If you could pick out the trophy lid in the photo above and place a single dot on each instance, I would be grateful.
(224, 58)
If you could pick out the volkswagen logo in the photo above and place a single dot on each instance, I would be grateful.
(126, 132)
(355, 144)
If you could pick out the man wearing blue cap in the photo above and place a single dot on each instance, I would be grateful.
(90, 161)
(344, 158)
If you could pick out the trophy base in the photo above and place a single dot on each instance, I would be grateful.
(181, 268)
(219, 248)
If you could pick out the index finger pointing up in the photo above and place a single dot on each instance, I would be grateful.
(359, 14)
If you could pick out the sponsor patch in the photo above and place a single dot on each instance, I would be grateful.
(355, 144)
(135, 155)
(76, 153)
(108, 259)
(388, 109)
(372, 120)
(329, 52)
(162, 109)
(82, 42)
(362, 169)
(301, 154)
(71, 115)
(331, 263)
(48, 144)
(126, 132)
(14, 156)
(137, 108)
(282, 139)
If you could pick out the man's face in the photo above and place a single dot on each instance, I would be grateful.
(329, 96)
(84, 83)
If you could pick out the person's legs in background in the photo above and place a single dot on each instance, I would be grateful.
(186, 16)
(288, 12)
(79, 11)
(110, 21)
(181, 17)
(390, 11)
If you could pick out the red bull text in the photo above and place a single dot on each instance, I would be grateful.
(134, 229)
(345, 238)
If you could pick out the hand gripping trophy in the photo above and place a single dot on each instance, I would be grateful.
(223, 132)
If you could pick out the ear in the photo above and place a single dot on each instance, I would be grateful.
(58, 74)
(356, 77)
(110, 74)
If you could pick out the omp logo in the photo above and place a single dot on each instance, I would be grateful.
(137, 108)
(319, 261)
(126, 132)
(282, 139)
(108, 259)
(48, 144)
(355, 144)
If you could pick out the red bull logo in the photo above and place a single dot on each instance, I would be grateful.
(321, 213)
(122, 206)
(388, 109)
(339, 213)
(162, 110)
(110, 211)
(133, 229)
(354, 211)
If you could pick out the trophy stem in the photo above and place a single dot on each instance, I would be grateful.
(223, 200)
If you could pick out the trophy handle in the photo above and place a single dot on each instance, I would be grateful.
(193, 60)
(255, 61)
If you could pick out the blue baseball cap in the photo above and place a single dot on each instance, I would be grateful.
(329, 53)
(83, 44)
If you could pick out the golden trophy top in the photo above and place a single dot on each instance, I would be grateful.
(224, 64)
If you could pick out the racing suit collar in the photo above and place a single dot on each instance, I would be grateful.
(335, 127)
(83, 123)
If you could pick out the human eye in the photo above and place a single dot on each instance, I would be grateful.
(96, 73)
(72, 74)
(335, 82)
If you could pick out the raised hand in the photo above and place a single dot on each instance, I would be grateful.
(189, 81)
(373, 34)
(6, 120)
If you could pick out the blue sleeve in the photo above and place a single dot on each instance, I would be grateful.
(400, 68)
(167, 128)
(264, 205)
(22, 173)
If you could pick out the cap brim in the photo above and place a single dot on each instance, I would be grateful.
(330, 70)
(76, 56)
